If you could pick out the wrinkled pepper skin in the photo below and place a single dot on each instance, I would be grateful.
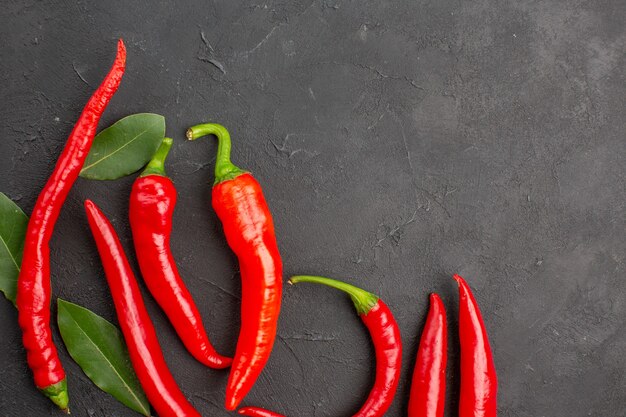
(258, 412)
(388, 347)
(249, 230)
(152, 202)
(143, 346)
(478, 373)
(33, 284)
(428, 387)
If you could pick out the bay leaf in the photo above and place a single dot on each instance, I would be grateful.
(98, 347)
(124, 147)
(13, 224)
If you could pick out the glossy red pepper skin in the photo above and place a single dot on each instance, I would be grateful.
(478, 373)
(249, 230)
(428, 387)
(33, 285)
(385, 336)
(143, 346)
(241, 207)
(152, 202)
(388, 347)
(258, 412)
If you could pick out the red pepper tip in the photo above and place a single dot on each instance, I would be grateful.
(231, 403)
(93, 211)
(464, 289)
(121, 51)
(89, 204)
(436, 304)
(434, 297)
(459, 279)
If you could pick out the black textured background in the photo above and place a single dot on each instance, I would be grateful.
(397, 143)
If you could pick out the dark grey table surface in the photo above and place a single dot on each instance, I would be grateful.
(397, 143)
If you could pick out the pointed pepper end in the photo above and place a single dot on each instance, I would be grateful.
(58, 395)
(459, 279)
(231, 402)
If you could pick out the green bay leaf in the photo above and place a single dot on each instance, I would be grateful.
(98, 348)
(124, 147)
(13, 224)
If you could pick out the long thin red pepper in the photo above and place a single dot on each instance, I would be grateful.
(428, 387)
(257, 412)
(240, 205)
(385, 335)
(152, 202)
(478, 374)
(33, 284)
(143, 346)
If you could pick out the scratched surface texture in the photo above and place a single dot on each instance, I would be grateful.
(398, 142)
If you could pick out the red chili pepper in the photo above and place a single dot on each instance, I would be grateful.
(478, 373)
(428, 388)
(258, 412)
(385, 334)
(239, 203)
(143, 346)
(152, 202)
(33, 284)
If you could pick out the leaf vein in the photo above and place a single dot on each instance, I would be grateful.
(9, 252)
(85, 168)
(125, 384)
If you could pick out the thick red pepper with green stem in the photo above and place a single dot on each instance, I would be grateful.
(152, 202)
(145, 352)
(240, 205)
(479, 382)
(385, 335)
(33, 284)
(428, 387)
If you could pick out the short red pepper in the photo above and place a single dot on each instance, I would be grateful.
(478, 374)
(385, 335)
(428, 387)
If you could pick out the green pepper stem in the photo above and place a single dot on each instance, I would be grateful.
(363, 301)
(224, 168)
(156, 166)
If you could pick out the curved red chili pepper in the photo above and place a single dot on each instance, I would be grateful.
(428, 387)
(239, 203)
(33, 284)
(258, 412)
(143, 346)
(385, 335)
(478, 373)
(152, 202)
